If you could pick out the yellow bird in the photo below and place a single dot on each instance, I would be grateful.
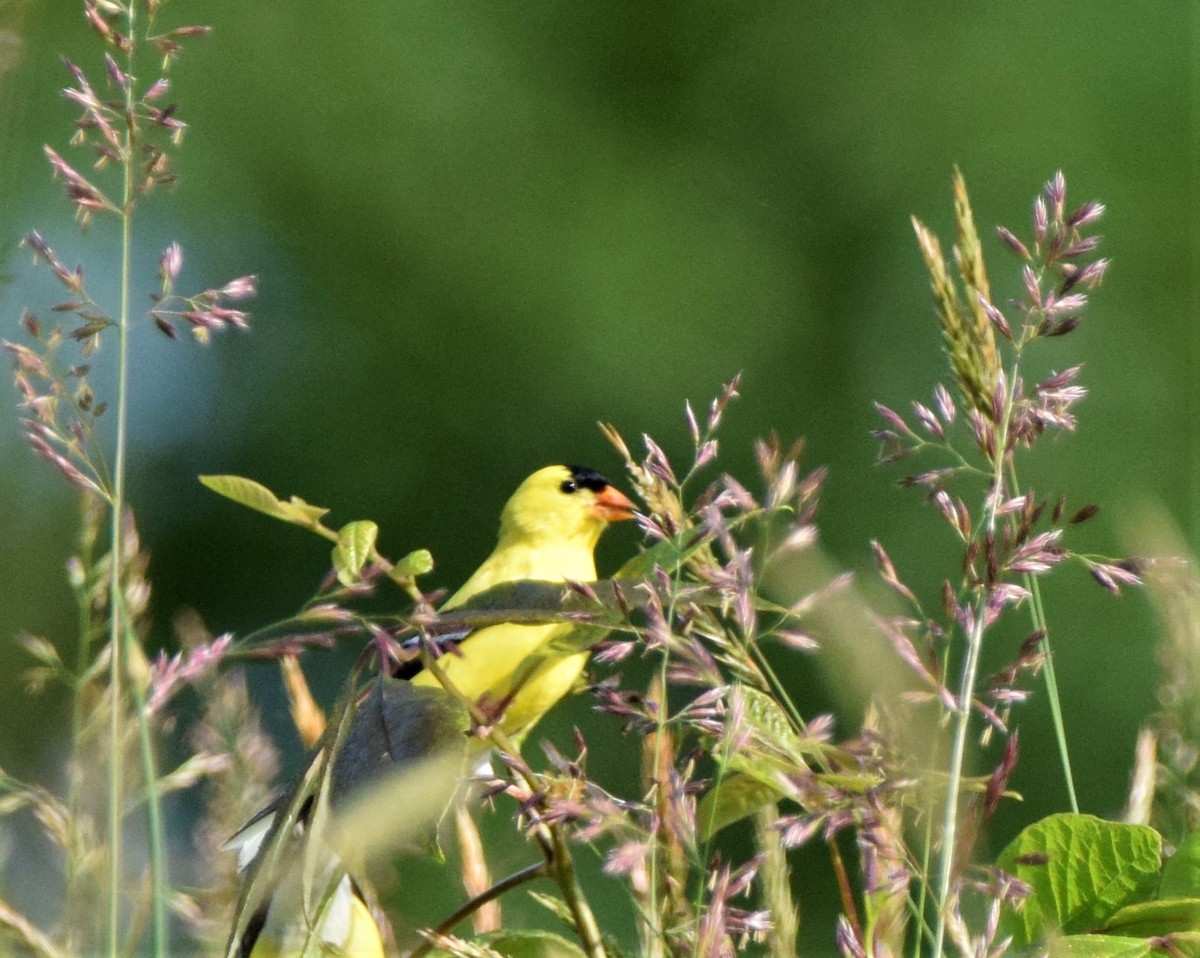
(548, 532)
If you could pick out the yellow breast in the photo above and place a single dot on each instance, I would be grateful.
(512, 671)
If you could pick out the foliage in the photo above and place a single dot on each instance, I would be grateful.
(723, 590)
(1098, 888)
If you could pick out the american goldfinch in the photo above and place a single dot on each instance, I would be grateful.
(548, 532)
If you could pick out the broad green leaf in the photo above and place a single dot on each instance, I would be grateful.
(1182, 945)
(254, 495)
(1181, 872)
(848, 782)
(1163, 916)
(1082, 871)
(772, 747)
(356, 541)
(246, 492)
(730, 800)
(1098, 946)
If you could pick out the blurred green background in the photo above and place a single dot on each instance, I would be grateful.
(481, 227)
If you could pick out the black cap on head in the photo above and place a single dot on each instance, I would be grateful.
(588, 478)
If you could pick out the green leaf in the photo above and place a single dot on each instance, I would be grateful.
(418, 562)
(254, 495)
(1151, 919)
(730, 800)
(1186, 945)
(1181, 872)
(1098, 946)
(1182, 945)
(1082, 871)
(301, 513)
(754, 761)
(773, 744)
(245, 492)
(356, 541)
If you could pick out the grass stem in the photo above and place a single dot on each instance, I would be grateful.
(116, 604)
(966, 693)
(122, 636)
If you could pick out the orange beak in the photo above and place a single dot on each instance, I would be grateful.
(612, 505)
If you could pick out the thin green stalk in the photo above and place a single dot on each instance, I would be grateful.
(1056, 716)
(1037, 612)
(958, 750)
(923, 889)
(586, 925)
(116, 603)
(122, 638)
(966, 695)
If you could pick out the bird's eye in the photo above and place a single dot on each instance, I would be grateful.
(569, 486)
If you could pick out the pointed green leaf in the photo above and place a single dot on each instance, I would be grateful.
(246, 492)
(1152, 919)
(1082, 871)
(356, 541)
(1181, 872)
(1098, 946)
(315, 852)
(1182, 945)
(254, 495)
(302, 513)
